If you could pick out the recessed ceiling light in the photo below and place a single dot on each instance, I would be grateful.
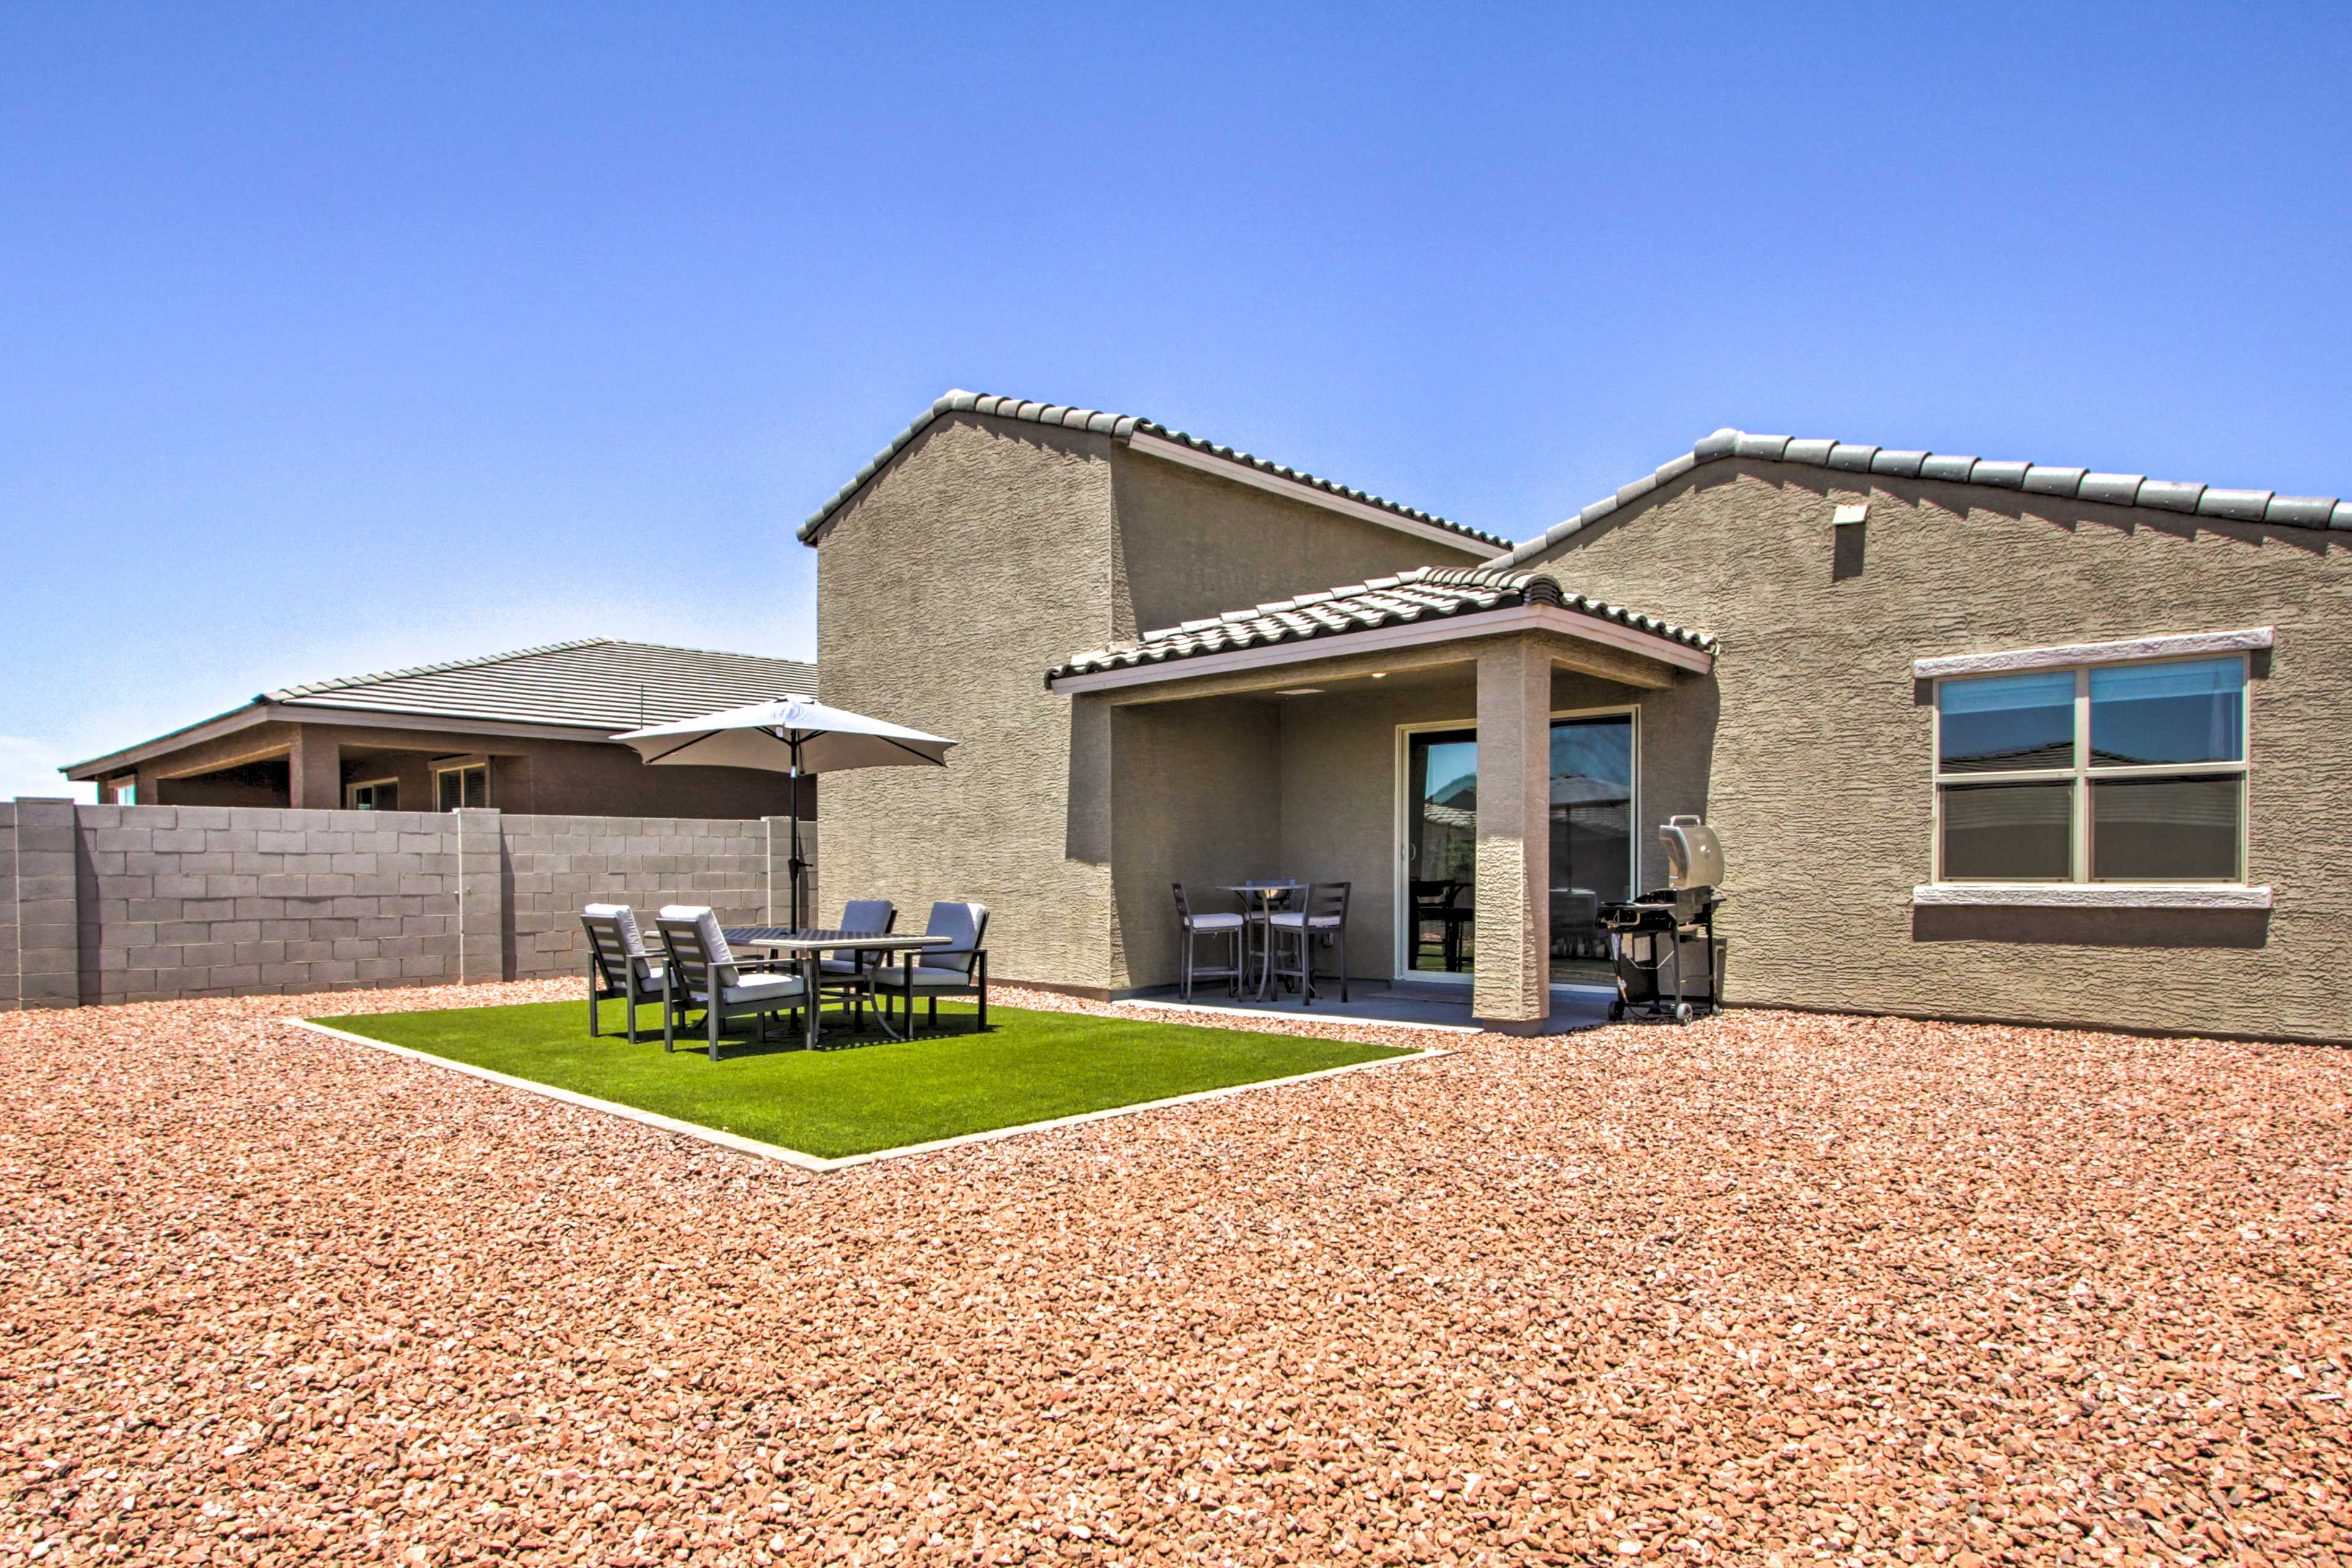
(1301, 691)
(1380, 675)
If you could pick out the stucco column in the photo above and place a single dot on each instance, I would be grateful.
(1512, 990)
(314, 772)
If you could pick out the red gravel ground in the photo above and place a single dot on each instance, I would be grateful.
(1774, 1288)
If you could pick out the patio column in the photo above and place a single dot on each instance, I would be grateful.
(314, 772)
(1512, 990)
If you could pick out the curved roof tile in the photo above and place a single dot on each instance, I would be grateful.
(2040, 478)
(1119, 426)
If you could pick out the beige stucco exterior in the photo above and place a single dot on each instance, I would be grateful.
(1817, 753)
(986, 552)
(989, 551)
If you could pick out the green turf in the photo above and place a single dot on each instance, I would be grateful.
(853, 1097)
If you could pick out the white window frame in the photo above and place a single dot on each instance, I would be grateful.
(352, 791)
(461, 765)
(1400, 894)
(2084, 773)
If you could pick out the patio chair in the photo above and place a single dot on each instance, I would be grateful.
(702, 972)
(851, 973)
(959, 969)
(1439, 904)
(619, 967)
(1324, 918)
(1231, 927)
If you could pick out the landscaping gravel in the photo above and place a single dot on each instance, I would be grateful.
(1774, 1288)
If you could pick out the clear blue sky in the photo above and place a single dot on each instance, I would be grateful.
(339, 337)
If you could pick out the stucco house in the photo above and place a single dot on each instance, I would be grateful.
(527, 730)
(1982, 738)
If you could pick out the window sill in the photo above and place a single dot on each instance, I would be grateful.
(2092, 895)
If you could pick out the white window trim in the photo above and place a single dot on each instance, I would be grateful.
(352, 790)
(459, 765)
(2134, 650)
(2092, 895)
(1400, 894)
(2079, 891)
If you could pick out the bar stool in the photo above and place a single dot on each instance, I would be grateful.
(1198, 926)
(1324, 917)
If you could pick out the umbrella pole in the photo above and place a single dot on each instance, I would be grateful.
(797, 864)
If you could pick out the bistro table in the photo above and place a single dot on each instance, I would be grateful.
(1257, 904)
(806, 944)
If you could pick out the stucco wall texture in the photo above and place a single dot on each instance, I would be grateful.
(988, 552)
(1818, 761)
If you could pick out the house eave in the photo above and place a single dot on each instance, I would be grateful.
(1501, 621)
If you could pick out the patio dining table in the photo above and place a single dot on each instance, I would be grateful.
(807, 944)
(1258, 903)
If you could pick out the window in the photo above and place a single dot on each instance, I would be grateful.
(467, 786)
(376, 795)
(124, 790)
(2110, 773)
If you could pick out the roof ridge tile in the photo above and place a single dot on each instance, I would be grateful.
(2039, 478)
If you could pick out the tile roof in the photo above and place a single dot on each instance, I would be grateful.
(596, 683)
(1425, 592)
(2035, 479)
(1119, 426)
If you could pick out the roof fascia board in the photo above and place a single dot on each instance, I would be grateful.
(1159, 447)
(1478, 624)
(309, 712)
(2187, 646)
(196, 734)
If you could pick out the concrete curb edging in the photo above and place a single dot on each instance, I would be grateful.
(816, 1164)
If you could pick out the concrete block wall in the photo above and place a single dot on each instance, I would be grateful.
(556, 864)
(130, 903)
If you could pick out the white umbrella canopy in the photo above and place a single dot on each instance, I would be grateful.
(793, 735)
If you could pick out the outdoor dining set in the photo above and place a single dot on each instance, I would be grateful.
(864, 963)
(1274, 933)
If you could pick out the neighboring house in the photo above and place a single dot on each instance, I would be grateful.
(526, 731)
(1982, 738)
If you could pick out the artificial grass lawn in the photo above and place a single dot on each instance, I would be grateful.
(860, 1093)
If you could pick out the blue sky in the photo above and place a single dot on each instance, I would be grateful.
(339, 338)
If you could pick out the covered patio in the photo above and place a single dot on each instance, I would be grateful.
(1477, 753)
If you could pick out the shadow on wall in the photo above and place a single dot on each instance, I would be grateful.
(2094, 928)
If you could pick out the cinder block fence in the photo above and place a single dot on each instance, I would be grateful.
(140, 903)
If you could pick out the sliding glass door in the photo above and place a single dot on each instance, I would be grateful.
(1592, 862)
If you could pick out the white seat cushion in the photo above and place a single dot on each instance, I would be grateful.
(1291, 920)
(1216, 923)
(759, 988)
(714, 941)
(926, 978)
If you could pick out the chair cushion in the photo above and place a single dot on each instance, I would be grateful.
(705, 921)
(965, 923)
(830, 967)
(926, 979)
(631, 939)
(1292, 919)
(868, 917)
(759, 988)
(1216, 923)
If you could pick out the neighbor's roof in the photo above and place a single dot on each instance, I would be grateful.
(1425, 592)
(1119, 428)
(2035, 479)
(593, 682)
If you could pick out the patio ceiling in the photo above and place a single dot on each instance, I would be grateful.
(1416, 619)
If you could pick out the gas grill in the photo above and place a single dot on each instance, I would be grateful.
(1663, 942)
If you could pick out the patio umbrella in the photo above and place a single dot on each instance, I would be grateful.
(795, 735)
